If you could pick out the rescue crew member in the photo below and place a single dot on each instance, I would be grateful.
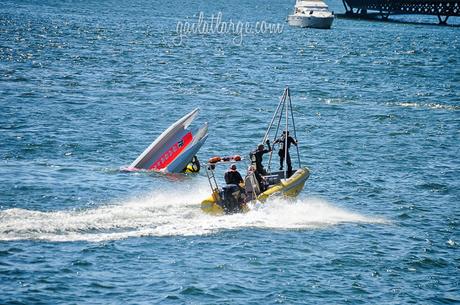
(257, 157)
(282, 152)
(232, 176)
(254, 183)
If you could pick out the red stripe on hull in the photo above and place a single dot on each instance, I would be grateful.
(172, 153)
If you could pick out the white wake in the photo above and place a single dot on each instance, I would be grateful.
(168, 213)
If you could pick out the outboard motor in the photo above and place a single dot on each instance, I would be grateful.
(231, 198)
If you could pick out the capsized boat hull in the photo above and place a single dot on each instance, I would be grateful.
(290, 187)
(174, 148)
(182, 160)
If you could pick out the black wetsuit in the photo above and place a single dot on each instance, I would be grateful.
(232, 194)
(282, 152)
(233, 177)
(261, 181)
(256, 159)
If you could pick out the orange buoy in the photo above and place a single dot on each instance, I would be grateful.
(237, 158)
(214, 159)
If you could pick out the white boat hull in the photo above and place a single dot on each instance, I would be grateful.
(174, 148)
(306, 21)
(179, 164)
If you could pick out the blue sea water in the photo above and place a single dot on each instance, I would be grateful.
(85, 86)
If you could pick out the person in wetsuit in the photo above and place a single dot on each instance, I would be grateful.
(257, 157)
(282, 151)
(254, 184)
(233, 194)
(232, 176)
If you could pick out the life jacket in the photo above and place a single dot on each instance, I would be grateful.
(193, 166)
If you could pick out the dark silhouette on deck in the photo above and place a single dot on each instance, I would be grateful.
(441, 8)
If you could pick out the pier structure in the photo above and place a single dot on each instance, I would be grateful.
(441, 8)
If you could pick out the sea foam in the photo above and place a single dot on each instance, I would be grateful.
(167, 213)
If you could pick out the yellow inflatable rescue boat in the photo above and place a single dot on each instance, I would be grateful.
(258, 185)
(234, 199)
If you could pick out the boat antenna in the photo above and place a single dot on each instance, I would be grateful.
(281, 103)
(277, 130)
(280, 112)
(286, 132)
(293, 126)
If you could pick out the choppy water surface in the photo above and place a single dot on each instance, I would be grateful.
(86, 86)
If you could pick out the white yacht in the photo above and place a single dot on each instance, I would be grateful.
(311, 14)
